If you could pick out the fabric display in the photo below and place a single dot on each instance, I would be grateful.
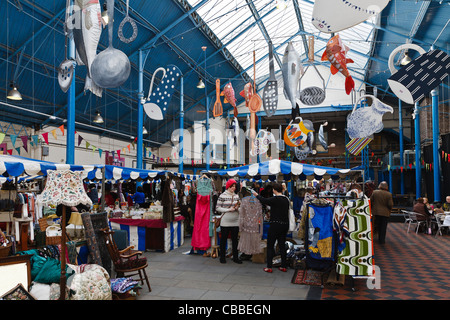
(122, 285)
(354, 220)
(307, 277)
(320, 232)
(250, 225)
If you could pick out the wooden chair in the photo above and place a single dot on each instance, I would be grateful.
(126, 261)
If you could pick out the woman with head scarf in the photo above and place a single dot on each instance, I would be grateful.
(228, 207)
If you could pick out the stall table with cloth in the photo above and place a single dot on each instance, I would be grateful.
(151, 234)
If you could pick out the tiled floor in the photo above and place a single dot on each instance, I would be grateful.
(412, 267)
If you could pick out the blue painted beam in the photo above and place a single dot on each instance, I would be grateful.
(417, 151)
(436, 158)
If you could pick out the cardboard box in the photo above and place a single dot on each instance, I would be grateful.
(261, 257)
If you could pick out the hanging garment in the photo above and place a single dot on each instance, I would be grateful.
(204, 186)
(167, 201)
(356, 259)
(200, 234)
(250, 225)
(320, 232)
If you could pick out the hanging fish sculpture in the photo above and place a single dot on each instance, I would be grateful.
(228, 92)
(291, 69)
(247, 93)
(87, 30)
(247, 127)
(336, 52)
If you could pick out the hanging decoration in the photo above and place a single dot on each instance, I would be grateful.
(228, 93)
(151, 109)
(419, 77)
(129, 20)
(158, 101)
(291, 69)
(296, 134)
(336, 52)
(111, 67)
(67, 67)
(262, 142)
(366, 121)
(255, 102)
(270, 93)
(280, 141)
(86, 35)
(328, 16)
(233, 131)
(247, 93)
(356, 145)
(218, 109)
(312, 95)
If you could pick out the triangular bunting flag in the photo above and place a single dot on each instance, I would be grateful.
(45, 136)
(87, 145)
(35, 139)
(61, 127)
(128, 148)
(25, 142)
(18, 150)
(54, 133)
(118, 153)
(2, 136)
(9, 151)
(13, 139)
(80, 138)
(94, 148)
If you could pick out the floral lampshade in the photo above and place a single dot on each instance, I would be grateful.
(64, 187)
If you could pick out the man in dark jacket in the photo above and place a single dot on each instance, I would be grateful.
(381, 203)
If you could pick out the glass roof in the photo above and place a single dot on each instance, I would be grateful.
(235, 25)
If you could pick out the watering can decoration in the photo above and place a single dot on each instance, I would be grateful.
(158, 101)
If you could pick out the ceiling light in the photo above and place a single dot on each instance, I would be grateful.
(14, 94)
(406, 59)
(105, 17)
(282, 4)
(98, 118)
(200, 84)
(334, 127)
(144, 130)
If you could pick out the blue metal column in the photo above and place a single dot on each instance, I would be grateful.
(390, 172)
(181, 142)
(436, 158)
(400, 133)
(417, 151)
(140, 122)
(70, 138)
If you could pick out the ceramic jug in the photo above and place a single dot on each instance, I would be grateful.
(366, 121)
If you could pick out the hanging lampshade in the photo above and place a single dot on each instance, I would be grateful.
(200, 84)
(406, 59)
(334, 127)
(144, 130)
(98, 118)
(13, 93)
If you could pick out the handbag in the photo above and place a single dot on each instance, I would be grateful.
(292, 219)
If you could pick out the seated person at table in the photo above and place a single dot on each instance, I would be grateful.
(139, 196)
(421, 208)
(446, 205)
(438, 208)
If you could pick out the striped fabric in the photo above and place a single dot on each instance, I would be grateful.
(356, 259)
(356, 145)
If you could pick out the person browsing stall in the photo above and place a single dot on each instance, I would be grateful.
(381, 205)
(279, 224)
(139, 196)
(228, 206)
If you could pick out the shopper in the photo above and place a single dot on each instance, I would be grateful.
(279, 225)
(93, 194)
(285, 191)
(446, 205)
(381, 205)
(139, 196)
(228, 206)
